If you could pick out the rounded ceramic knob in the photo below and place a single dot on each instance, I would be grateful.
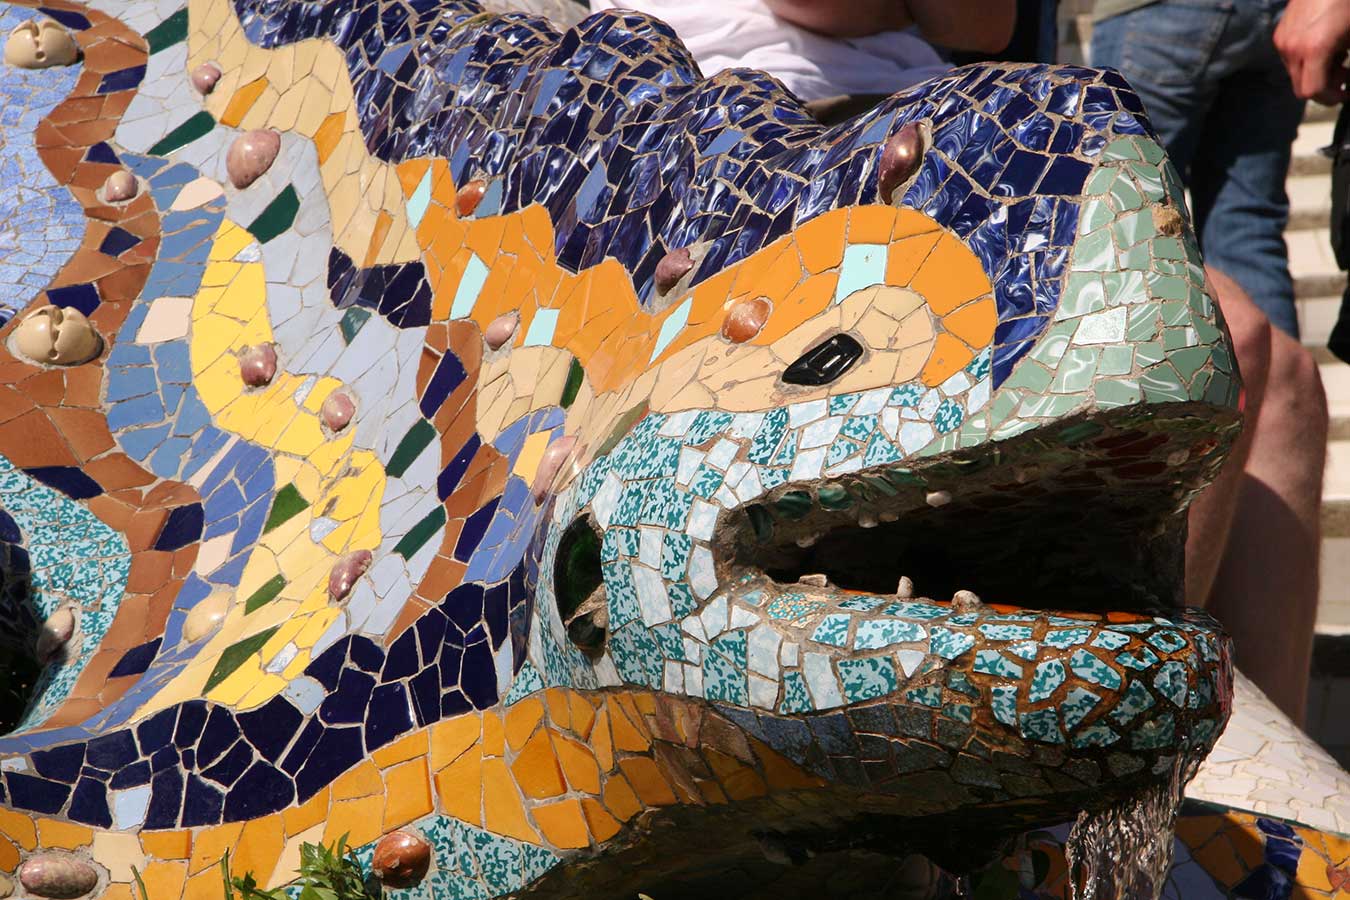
(550, 464)
(258, 365)
(204, 77)
(40, 44)
(745, 319)
(120, 187)
(205, 617)
(251, 154)
(401, 859)
(672, 267)
(57, 876)
(900, 159)
(337, 410)
(57, 335)
(500, 330)
(57, 631)
(348, 568)
(468, 197)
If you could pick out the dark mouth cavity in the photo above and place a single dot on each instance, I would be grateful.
(1010, 535)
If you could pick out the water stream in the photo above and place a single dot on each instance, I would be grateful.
(1124, 852)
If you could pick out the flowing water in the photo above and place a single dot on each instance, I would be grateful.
(1124, 852)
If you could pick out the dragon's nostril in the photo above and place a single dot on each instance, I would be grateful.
(578, 587)
(824, 362)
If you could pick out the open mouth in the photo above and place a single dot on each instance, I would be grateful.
(1068, 535)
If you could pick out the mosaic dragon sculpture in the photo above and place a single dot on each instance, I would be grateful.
(512, 450)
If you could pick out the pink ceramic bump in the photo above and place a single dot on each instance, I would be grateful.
(337, 410)
(672, 267)
(58, 876)
(900, 159)
(251, 154)
(500, 329)
(120, 186)
(550, 464)
(346, 571)
(401, 859)
(204, 77)
(258, 365)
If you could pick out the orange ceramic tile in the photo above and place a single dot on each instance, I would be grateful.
(647, 781)
(210, 844)
(405, 748)
(259, 847)
(494, 733)
(781, 772)
(459, 788)
(167, 844)
(950, 276)
(620, 799)
(9, 856)
(906, 256)
(909, 222)
(63, 835)
(379, 231)
(804, 301)
(502, 810)
(410, 174)
(536, 768)
(627, 736)
(1313, 872)
(563, 824)
(521, 720)
(359, 819)
(583, 714)
(871, 224)
(601, 824)
(300, 818)
(601, 742)
(452, 737)
(578, 764)
(407, 793)
(165, 879)
(946, 359)
(18, 828)
(559, 706)
(118, 891)
(821, 240)
(973, 323)
(242, 102)
(201, 886)
(328, 134)
(361, 781)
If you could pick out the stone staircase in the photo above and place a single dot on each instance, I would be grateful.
(1317, 286)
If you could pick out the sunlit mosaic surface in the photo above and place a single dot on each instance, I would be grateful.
(1030, 313)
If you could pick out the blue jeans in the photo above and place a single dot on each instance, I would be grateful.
(1221, 101)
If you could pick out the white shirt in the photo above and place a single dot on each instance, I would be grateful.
(725, 34)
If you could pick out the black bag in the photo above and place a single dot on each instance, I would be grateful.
(1339, 151)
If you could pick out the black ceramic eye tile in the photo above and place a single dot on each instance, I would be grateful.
(825, 362)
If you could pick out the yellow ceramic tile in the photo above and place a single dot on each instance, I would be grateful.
(601, 824)
(359, 819)
(405, 748)
(407, 793)
(647, 781)
(459, 788)
(242, 102)
(494, 739)
(119, 851)
(297, 819)
(210, 844)
(259, 846)
(165, 879)
(521, 719)
(620, 799)
(578, 764)
(361, 781)
(502, 810)
(536, 768)
(167, 844)
(9, 856)
(950, 276)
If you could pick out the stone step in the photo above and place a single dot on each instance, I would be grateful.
(1309, 201)
(1316, 112)
(1312, 263)
(1316, 316)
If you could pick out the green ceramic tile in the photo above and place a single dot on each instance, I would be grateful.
(1168, 248)
(1167, 287)
(1143, 322)
(198, 126)
(235, 656)
(352, 321)
(1149, 179)
(1201, 384)
(410, 447)
(1075, 371)
(1125, 194)
(1083, 294)
(575, 375)
(1152, 153)
(1116, 361)
(277, 216)
(288, 504)
(265, 594)
(1161, 383)
(1110, 393)
(1125, 287)
(1095, 252)
(1122, 148)
(1032, 377)
(169, 32)
(420, 533)
(1189, 361)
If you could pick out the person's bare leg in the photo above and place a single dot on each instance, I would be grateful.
(1211, 515)
(1265, 588)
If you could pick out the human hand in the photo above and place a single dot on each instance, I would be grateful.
(1313, 37)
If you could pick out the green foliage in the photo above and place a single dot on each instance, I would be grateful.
(326, 873)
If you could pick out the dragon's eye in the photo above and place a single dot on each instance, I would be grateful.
(824, 362)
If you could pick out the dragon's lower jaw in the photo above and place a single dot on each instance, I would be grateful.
(1000, 705)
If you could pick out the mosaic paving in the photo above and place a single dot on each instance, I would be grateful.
(506, 437)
